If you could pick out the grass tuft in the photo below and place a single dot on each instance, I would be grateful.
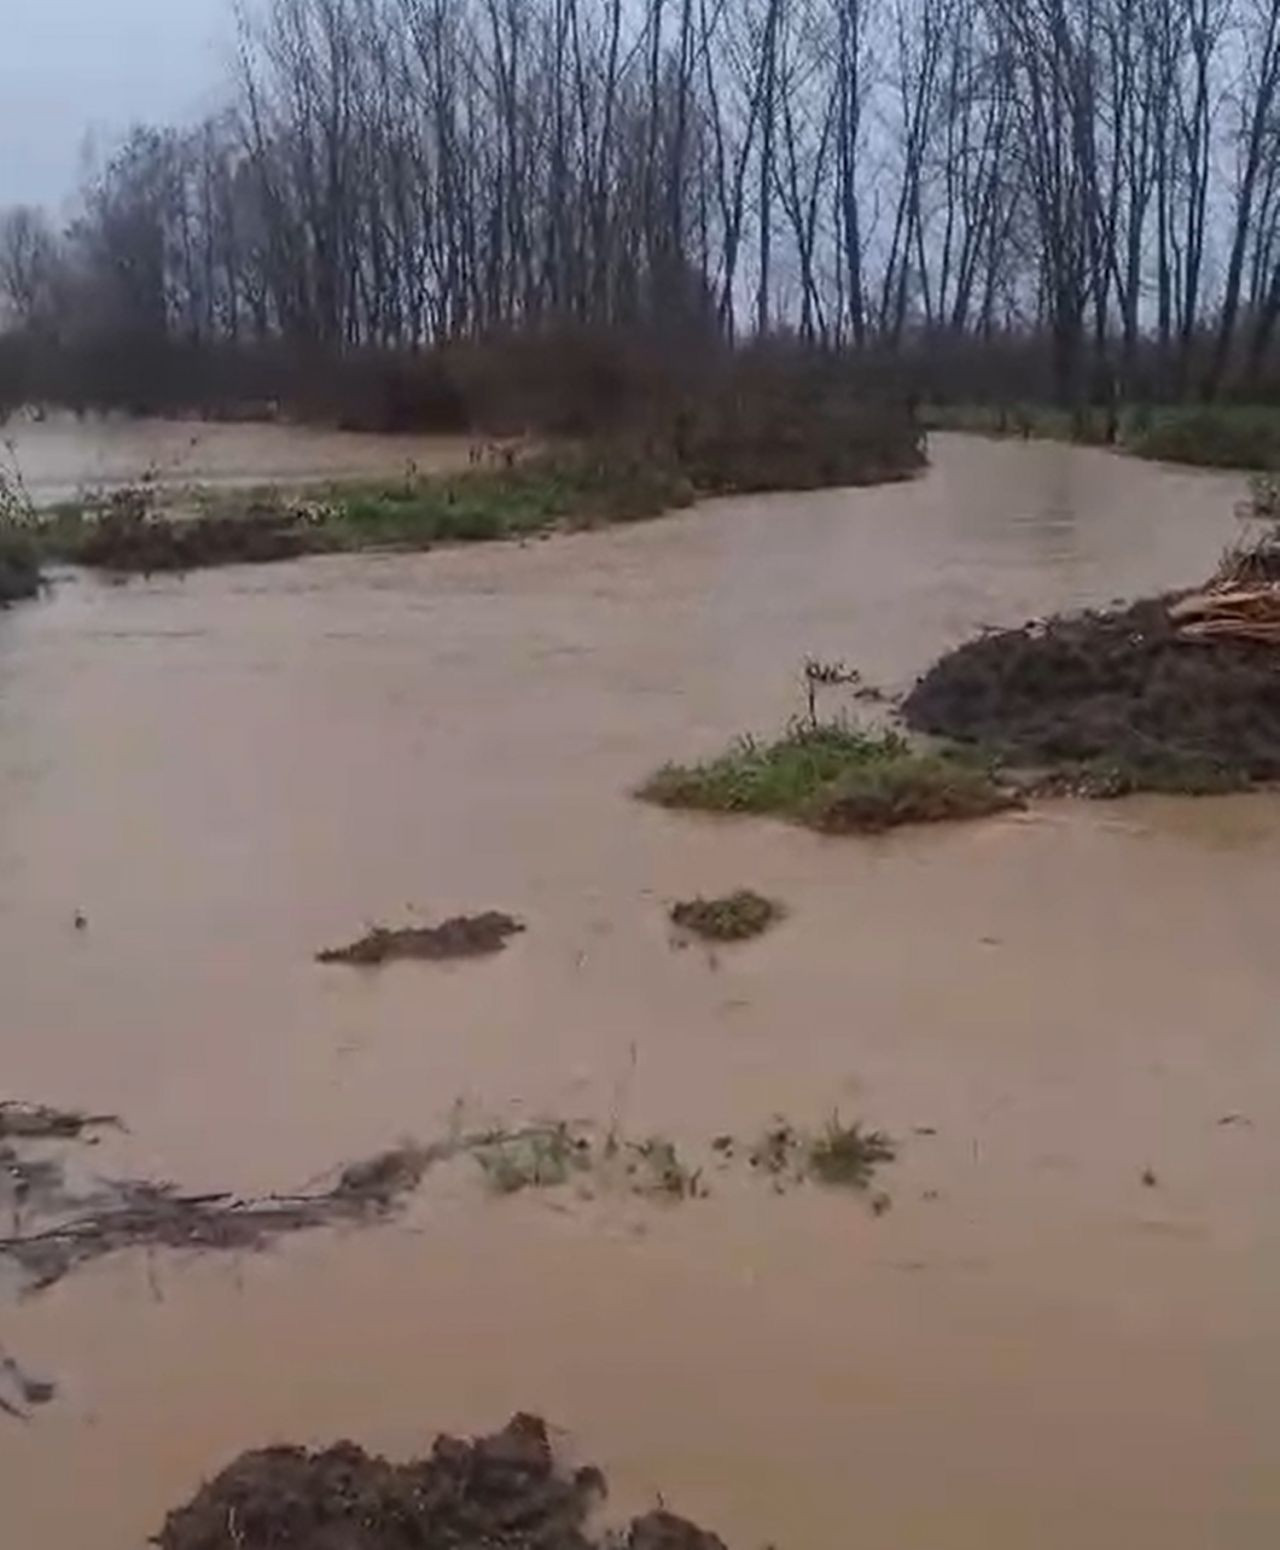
(847, 1155)
(833, 777)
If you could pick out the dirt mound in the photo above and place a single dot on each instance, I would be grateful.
(1112, 701)
(498, 1493)
(463, 936)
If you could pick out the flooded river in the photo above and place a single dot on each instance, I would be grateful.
(229, 771)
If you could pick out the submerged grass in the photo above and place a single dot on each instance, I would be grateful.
(834, 777)
(848, 1155)
(839, 1155)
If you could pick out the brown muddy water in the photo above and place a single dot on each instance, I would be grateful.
(230, 771)
(60, 456)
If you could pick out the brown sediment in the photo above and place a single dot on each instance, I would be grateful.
(504, 1492)
(462, 936)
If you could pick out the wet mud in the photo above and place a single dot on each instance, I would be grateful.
(1120, 691)
(503, 1492)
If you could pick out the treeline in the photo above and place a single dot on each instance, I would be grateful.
(1009, 196)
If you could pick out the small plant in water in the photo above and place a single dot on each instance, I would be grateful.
(847, 1155)
(542, 1159)
(818, 675)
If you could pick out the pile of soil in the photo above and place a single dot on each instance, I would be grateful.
(463, 936)
(127, 543)
(498, 1493)
(1118, 693)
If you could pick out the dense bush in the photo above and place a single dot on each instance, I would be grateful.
(1215, 436)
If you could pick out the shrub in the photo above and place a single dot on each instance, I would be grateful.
(19, 566)
(1213, 436)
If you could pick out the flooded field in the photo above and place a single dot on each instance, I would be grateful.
(61, 456)
(1065, 1332)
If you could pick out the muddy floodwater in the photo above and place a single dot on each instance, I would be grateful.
(61, 456)
(1032, 1348)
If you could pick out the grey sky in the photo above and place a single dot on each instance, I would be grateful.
(69, 68)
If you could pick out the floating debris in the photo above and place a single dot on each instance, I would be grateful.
(733, 918)
(463, 936)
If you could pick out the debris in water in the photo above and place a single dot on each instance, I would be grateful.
(19, 1391)
(59, 1227)
(36, 1122)
(503, 1492)
(463, 936)
(734, 918)
(840, 1155)
(1149, 1179)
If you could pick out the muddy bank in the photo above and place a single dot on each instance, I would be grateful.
(1116, 701)
(504, 1492)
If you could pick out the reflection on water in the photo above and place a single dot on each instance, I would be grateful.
(229, 771)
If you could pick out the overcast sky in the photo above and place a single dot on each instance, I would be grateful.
(71, 68)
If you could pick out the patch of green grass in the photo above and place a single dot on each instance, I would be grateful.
(483, 505)
(564, 489)
(733, 918)
(833, 777)
(1210, 435)
(910, 787)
